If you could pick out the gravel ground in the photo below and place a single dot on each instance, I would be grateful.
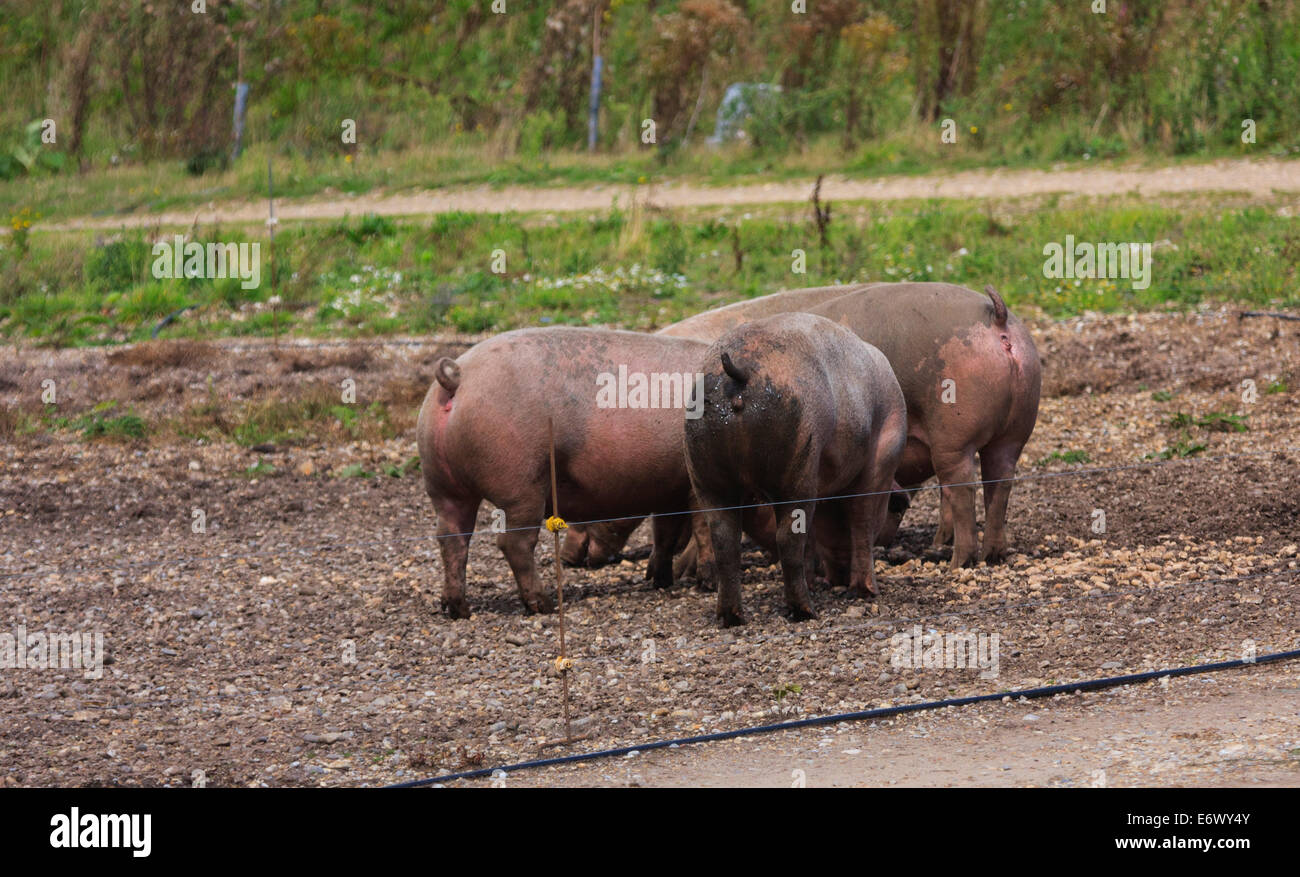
(296, 641)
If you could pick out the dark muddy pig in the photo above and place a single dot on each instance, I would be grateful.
(482, 434)
(796, 407)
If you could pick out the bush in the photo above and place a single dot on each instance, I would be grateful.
(118, 265)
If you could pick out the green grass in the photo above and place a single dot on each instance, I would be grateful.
(401, 471)
(260, 469)
(1182, 448)
(1215, 421)
(375, 276)
(99, 423)
(1076, 456)
(1186, 445)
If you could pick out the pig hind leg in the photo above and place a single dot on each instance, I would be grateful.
(998, 467)
(723, 524)
(868, 516)
(518, 544)
(793, 547)
(956, 471)
(705, 560)
(456, 518)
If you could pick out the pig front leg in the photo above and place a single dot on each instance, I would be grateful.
(943, 533)
(899, 502)
(518, 544)
(574, 550)
(456, 519)
(667, 531)
(686, 564)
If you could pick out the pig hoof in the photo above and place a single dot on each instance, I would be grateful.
(800, 613)
(729, 618)
(962, 560)
(662, 582)
(539, 606)
(455, 608)
(705, 586)
(862, 592)
(995, 556)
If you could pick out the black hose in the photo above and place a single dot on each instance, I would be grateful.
(881, 713)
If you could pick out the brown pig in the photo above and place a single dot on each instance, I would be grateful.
(617, 401)
(796, 408)
(971, 376)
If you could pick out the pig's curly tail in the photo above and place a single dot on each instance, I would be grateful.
(447, 373)
(735, 371)
(999, 306)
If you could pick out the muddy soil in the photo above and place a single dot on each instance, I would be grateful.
(296, 641)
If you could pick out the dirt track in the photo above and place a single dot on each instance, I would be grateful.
(1241, 729)
(1257, 177)
(229, 649)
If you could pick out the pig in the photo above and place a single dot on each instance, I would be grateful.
(483, 434)
(796, 408)
(931, 333)
(972, 379)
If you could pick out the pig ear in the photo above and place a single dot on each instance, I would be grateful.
(447, 372)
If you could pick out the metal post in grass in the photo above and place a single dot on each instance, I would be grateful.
(271, 222)
(241, 106)
(597, 66)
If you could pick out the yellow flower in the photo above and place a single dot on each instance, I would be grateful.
(1007, 107)
(974, 130)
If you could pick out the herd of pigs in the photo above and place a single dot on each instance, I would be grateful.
(829, 403)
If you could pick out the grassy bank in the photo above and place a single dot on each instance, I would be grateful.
(636, 269)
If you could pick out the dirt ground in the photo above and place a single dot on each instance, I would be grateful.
(1260, 178)
(297, 642)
